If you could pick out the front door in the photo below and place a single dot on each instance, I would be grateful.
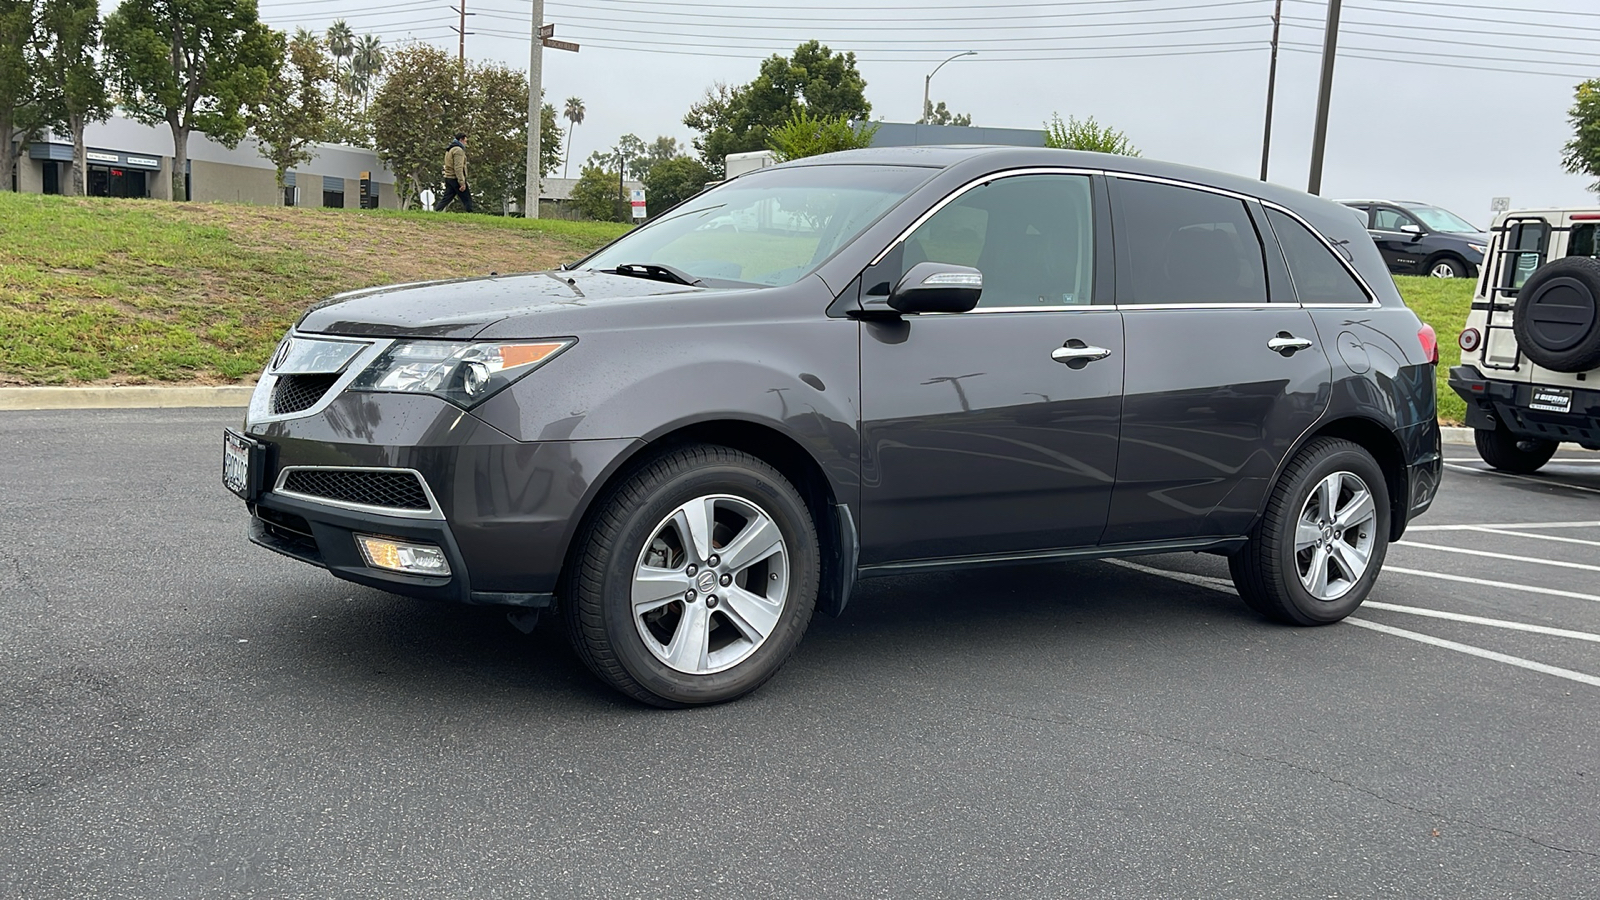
(978, 438)
(1399, 248)
(1222, 378)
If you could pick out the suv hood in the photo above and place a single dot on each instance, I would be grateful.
(461, 308)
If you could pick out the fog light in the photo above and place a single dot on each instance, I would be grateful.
(399, 556)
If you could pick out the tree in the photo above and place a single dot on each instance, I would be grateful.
(341, 43)
(595, 195)
(19, 110)
(574, 115)
(1581, 155)
(660, 150)
(628, 153)
(367, 64)
(1086, 135)
(805, 135)
(672, 181)
(941, 115)
(191, 65)
(71, 82)
(292, 113)
(815, 79)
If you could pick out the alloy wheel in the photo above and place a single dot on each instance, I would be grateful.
(1443, 270)
(1334, 536)
(710, 585)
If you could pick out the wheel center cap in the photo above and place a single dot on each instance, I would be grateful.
(1327, 532)
(706, 581)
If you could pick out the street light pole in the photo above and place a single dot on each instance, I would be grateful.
(1319, 140)
(928, 80)
(1272, 79)
(530, 196)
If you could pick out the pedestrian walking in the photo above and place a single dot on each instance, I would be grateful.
(455, 175)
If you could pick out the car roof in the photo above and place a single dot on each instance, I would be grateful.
(1390, 202)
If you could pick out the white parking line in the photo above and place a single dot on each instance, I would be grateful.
(1470, 650)
(1219, 584)
(1538, 537)
(1559, 460)
(1544, 481)
(1484, 582)
(1410, 528)
(1527, 559)
(1480, 620)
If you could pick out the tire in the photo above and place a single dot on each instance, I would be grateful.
(1509, 453)
(1447, 267)
(1276, 572)
(1557, 316)
(659, 535)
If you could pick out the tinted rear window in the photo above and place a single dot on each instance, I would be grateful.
(1318, 275)
(1189, 246)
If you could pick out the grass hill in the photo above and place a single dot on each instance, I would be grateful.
(138, 291)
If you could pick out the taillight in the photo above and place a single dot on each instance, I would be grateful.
(1470, 339)
(1430, 343)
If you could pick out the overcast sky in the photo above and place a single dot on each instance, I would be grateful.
(1447, 102)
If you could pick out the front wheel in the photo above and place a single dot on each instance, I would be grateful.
(1315, 554)
(695, 580)
(1447, 268)
(1509, 453)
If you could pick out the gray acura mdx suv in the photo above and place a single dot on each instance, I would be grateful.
(908, 359)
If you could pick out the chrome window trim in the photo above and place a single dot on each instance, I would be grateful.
(432, 512)
(1372, 296)
(1134, 307)
(974, 183)
(260, 409)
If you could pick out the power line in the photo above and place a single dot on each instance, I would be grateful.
(1423, 57)
(931, 43)
(1586, 54)
(1548, 36)
(842, 25)
(1503, 11)
(917, 7)
(1356, 54)
(899, 21)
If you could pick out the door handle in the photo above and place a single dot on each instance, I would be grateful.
(1077, 354)
(1286, 343)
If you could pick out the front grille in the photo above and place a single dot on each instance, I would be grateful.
(395, 490)
(298, 393)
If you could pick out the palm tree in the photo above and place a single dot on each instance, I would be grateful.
(367, 63)
(341, 43)
(574, 116)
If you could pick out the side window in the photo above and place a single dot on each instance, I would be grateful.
(1187, 246)
(1527, 239)
(1318, 276)
(1582, 240)
(1032, 237)
(1386, 219)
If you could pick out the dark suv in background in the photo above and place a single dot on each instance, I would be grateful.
(906, 360)
(1418, 239)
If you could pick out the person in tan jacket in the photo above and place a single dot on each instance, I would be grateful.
(455, 175)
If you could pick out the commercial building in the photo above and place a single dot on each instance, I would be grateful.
(128, 159)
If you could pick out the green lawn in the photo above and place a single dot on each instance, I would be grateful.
(139, 291)
(1442, 303)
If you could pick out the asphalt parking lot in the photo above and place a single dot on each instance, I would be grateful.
(186, 715)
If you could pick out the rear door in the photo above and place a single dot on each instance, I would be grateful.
(1223, 371)
(979, 439)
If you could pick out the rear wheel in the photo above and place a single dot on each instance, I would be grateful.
(1317, 551)
(696, 579)
(1510, 453)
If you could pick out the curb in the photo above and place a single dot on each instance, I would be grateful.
(135, 397)
(1452, 435)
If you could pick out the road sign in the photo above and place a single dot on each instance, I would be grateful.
(1500, 204)
(554, 44)
(637, 201)
(546, 31)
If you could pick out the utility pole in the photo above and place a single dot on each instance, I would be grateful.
(1319, 140)
(530, 198)
(1272, 79)
(461, 32)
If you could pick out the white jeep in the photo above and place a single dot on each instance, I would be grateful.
(1530, 353)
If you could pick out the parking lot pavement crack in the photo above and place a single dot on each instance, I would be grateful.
(28, 586)
(1306, 770)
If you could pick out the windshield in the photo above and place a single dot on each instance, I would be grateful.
(1442, 219)
(766, 228)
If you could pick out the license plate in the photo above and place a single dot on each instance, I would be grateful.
(1551, 399)
(236, 453)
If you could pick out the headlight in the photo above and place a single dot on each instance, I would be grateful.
(1477, 248)
(464, 374)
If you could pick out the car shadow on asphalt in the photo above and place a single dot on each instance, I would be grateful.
(346, 635)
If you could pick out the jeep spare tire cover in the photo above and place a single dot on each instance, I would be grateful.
(1557, 317)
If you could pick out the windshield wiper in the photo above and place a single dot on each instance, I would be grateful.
(657, 272)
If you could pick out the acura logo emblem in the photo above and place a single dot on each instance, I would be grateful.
(282, 356)
(707, 582)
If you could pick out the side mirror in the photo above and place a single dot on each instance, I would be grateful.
(933, 287)
(1414, 230)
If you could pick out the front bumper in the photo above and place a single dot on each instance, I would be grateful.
(1493, 403)
(502, 511)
